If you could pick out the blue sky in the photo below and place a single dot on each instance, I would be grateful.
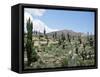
(78, 21)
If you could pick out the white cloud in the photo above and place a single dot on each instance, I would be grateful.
(26, 17)
(37, 24)
(35, 12)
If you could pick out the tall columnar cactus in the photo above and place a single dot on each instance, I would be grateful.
(84, 46)
(29, 27)
(88, 36)
(44, 32)
(80, 39)
(39, 37)
(77, 50)
(63, 40)
(63, 37)
(46, 36)
(59, 41)
(91, 41)
(29, 44)
(68, 37)
(55, 35)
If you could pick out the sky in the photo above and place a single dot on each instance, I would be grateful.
(54, 20)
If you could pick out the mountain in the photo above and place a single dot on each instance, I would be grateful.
(65, 32)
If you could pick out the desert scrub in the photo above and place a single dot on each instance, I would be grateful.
(34, 55)
(64, 62)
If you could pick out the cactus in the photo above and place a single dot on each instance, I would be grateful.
(63, 37)
(47, 39)
(29, 43)
(79, 39)
(76, 50)
(68, 37)
(59, 41)
(91, 41)
(44, 32)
